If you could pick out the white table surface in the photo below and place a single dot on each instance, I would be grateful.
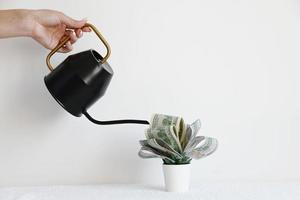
(203, 191)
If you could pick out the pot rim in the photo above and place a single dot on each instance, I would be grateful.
(177, 164)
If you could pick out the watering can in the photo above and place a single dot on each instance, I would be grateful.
(82, 79)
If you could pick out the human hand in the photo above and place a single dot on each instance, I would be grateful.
(49, 26)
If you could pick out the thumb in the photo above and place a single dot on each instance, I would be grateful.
(72, 23)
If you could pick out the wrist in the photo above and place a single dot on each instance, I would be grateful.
(16, 23)
(25, 22)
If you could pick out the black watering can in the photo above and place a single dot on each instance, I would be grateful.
(81, 79)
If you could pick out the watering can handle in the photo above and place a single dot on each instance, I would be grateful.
(65, 39)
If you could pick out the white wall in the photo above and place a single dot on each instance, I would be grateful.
(233, 64)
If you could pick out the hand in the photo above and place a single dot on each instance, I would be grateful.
(49, 26)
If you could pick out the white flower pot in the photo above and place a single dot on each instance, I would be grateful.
(177, 177)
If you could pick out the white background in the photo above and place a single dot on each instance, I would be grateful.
(233, 64)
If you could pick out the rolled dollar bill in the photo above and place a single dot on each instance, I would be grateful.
(205, 148)
(147, 152)
(160, 120)
(195, 126)
(166, 134)
(193, 143)
(161, 147)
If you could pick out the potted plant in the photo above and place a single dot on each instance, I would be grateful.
(176, 143)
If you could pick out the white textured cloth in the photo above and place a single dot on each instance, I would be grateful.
(204, 191)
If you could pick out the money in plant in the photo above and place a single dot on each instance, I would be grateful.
(169, 138)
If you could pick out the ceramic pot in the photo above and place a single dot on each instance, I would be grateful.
(177, 177)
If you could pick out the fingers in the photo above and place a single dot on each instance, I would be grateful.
(80, 30)
(78, 33)
(86, 29)
(69, 45)
(72, 35)
(71, 23)
(66, 48)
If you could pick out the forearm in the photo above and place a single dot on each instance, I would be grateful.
(45, 26)
(15, 23)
